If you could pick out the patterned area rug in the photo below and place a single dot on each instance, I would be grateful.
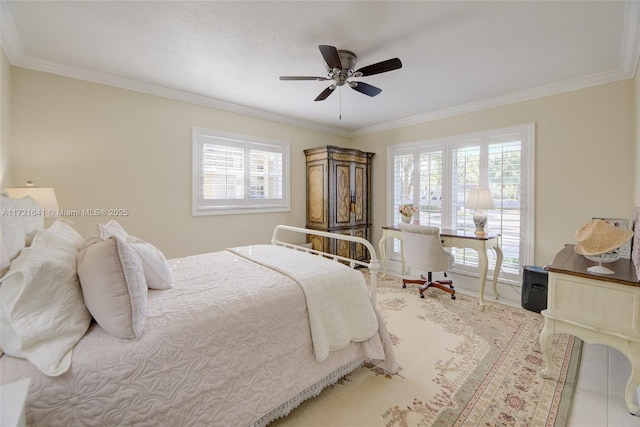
(460, 366)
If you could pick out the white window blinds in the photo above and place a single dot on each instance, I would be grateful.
(235, 173)
(437, 175)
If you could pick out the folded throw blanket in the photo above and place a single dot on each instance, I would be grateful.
(339, 307)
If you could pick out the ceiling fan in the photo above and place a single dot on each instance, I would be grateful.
(340, 66)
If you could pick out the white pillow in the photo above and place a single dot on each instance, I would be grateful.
(157, 272)
(31, 216)
(42, 315)
(12, 238)
(112, 228)
(59, 233)
(156, 269)
(113, 286)
(101, 232)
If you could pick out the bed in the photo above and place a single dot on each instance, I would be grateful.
(228, 340)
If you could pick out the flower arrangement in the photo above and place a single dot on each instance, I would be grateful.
(407, 210)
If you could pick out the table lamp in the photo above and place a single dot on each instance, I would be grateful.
(480, 199)
(44, 196)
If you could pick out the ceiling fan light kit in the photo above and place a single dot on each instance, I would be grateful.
(341, 66)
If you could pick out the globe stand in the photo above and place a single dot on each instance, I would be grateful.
(599, 269)
(606, 258)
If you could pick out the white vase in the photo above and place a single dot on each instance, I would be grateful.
(406, 219)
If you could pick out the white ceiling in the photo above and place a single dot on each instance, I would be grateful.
(457, 56)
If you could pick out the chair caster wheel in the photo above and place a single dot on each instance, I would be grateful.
(404, 285)
(453, 297)
(421, 295)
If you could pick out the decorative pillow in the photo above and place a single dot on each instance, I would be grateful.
(92, 238)
(12, 238)
(42, 315)
(157, 272)
(112, 228)
(113, 286)
(101, 232)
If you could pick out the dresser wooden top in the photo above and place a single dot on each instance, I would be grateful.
(569, 262)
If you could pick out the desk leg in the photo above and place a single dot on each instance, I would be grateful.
(483, 269)
(545, 336)
(382, 247)
(634, 379)
(496, 271)
(383, 255)
(403, 271)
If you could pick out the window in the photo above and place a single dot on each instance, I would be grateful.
(238, 174)
(436, 176)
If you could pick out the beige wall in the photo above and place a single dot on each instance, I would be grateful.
(637, 120)
(584, 161)
(103, 147)
(5, 120)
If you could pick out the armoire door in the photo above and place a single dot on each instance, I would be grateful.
(343, 193)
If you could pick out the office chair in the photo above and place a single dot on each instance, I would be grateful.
(423, 251)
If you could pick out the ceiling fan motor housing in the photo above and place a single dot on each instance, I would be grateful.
(348, 60)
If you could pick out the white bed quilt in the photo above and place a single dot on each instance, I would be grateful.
(227, 345)
(339, 307)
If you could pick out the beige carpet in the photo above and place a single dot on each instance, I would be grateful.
(460, 366)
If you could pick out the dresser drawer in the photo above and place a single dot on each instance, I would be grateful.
(595, 303)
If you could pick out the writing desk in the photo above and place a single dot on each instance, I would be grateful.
(597, 308)
(455, 239)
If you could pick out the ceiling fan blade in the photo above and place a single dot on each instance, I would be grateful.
(325, 93)
(331, 56)
(381, 67)
(303, 78)
(365, 88)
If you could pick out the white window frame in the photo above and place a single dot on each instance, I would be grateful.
(201, 206)
(448, 144)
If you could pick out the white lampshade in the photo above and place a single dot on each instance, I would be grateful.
(480, 199)
(44, 196)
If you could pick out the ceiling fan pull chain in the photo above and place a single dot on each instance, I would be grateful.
(340, 114)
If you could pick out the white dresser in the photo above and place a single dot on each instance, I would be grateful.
(597, 308)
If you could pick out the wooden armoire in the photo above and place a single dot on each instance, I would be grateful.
(339, 198)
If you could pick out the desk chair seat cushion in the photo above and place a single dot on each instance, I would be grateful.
(423, 251)
(423, 248)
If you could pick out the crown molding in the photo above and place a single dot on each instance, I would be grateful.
(499, 101)
(630, 56)
(631, 39)
(14, 51)
(165, 92)
(8, 34)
